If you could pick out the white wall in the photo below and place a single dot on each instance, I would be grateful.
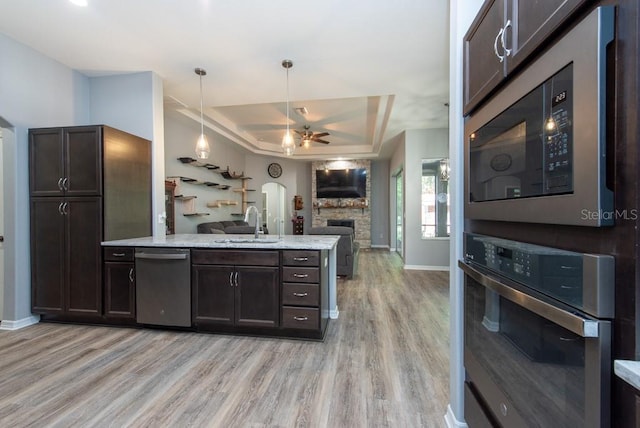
(461, 14)
(422, 253)
(36, 92)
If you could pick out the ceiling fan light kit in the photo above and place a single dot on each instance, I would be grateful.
(202, 145)
(288, 145)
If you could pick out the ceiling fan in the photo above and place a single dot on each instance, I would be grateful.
(307, 136)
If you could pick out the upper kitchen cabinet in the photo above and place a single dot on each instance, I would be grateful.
(66, 161)
(503, 35)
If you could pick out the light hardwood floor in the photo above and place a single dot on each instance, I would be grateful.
(384, 363)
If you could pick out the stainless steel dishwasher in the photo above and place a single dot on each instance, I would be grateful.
(163, 286)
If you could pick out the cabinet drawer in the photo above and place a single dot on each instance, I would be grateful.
(235, 257)
(303, 318)
(300, 274)
(301, 258)
(300, 294)
(118, 254)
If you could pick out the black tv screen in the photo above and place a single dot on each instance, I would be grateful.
(341, 183)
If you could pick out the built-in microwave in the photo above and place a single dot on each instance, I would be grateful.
(537, 152)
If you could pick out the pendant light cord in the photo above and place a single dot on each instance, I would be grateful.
(201, 113)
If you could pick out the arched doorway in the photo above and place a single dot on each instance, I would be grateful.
(274, 207)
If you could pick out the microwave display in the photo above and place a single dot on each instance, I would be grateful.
(527, 150)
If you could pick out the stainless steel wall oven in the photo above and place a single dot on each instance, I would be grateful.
(536, 152)
(537, 339)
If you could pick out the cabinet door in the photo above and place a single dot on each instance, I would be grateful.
(119, 290)
(212, 294)
(83, 255)
(532, 22)
(83, 160)
(257, 299)
(47, 256)
(46, 165)
(483, 70)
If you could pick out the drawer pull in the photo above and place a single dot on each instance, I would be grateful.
(301, 294)
(300, 275)
(118, 254)
(301, 259)
(301, 318)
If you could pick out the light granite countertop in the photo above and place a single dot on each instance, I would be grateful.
(629, 371)
(292, 242)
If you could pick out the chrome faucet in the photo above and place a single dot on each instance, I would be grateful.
(246, 218)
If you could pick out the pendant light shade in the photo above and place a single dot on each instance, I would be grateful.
(202, 146)
(288, 145)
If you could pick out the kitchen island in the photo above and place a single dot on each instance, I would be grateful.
(229, 283)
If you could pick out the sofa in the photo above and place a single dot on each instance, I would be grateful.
(347, 251)
(228, 226)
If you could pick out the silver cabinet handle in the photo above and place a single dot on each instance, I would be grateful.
(300, 275)
(64, 183)
(152, 256)
(131, 275)
(301, 259)
(236, 278)
(300, 318)
(301, 294)
(60, 208)
(118, 254)
(495, 44)
(506, 51)
(64, 208)
(60, 183)
(231, 278)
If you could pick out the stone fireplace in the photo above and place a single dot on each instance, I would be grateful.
(343, 211)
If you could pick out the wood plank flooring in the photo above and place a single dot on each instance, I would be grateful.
(384, 363)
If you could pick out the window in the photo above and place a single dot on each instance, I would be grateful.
(435, 198)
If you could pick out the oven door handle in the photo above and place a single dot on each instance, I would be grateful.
(579, 325)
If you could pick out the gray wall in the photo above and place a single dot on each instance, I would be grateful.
(379, 203)
(36, 92)
(40, 92)
(422, 253)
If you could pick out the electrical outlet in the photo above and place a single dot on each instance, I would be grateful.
(162, 217)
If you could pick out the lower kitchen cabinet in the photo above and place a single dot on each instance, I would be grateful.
(66, 262)
(119, 283)
(305, 292)
(235, 288)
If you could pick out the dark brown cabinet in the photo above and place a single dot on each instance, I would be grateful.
(304, 291)
(65, 161)
(119, 283)
(66, 260)
(503, 35)
(237, 288)
(87, 184)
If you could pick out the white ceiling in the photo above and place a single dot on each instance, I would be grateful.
(365, 70)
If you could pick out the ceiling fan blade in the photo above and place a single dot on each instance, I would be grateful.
(321, 141)
(320, 134)
(298, 132)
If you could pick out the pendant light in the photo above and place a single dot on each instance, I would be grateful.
(202, 146)
(288, 145)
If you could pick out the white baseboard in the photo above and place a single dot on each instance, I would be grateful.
(334, 313)
(386, 247)
(451, 421)
(18, 324)
(422, 267)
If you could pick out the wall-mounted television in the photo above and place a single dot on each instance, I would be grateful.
(341, 183)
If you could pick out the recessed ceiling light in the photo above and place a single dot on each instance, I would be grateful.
(80, 2)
